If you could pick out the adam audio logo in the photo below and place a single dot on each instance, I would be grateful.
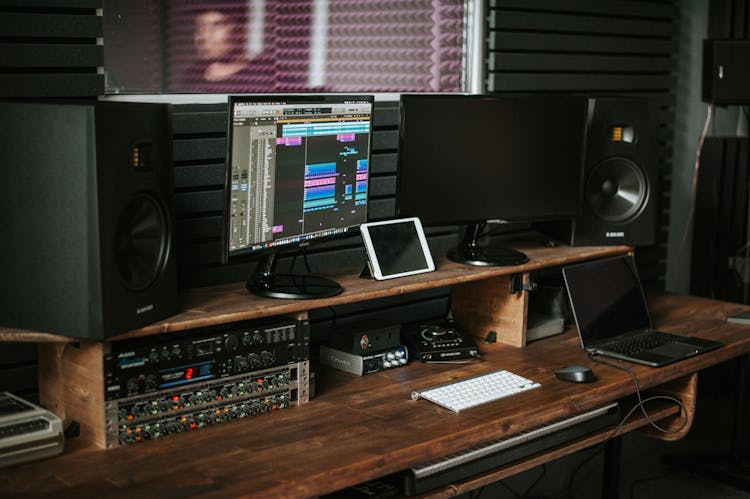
(144, 309)
(614, 234)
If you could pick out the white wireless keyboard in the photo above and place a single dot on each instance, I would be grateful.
(471, 392)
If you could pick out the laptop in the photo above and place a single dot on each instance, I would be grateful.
(611, 314)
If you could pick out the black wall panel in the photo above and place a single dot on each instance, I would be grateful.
(593, 48)
(51, 49)
(729, 19)
(721, 252)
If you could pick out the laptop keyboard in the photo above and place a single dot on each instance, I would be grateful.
(639, 343)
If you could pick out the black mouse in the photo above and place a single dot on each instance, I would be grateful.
(576, 374)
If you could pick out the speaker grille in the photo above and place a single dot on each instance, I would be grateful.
(617, 190)
(142, 242)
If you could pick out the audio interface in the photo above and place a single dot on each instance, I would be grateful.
(439, 343)
(367, 336)
(361, 364)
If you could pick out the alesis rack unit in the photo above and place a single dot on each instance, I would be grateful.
(144, 388)
(164, 385)
(193, 406)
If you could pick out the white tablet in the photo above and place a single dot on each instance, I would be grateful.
(396, 248)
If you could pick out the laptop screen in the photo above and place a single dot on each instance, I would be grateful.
(606, 298)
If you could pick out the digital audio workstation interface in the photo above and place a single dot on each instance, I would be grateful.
(308, 162)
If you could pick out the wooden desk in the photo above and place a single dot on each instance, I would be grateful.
(361, 428)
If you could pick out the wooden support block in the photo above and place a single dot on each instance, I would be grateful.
(488, 305)
(71, 385)
(684, 389)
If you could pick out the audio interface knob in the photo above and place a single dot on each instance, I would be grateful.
(132, 386)
(242, 363)
(231, 343)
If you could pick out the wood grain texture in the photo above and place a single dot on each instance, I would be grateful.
(71, 384)
(685, 390)
(361, 428)
(232, 302)
(488, 305)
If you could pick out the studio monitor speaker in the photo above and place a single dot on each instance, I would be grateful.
(619, 193)
(87, 236)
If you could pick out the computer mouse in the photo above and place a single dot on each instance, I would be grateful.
(576, 374)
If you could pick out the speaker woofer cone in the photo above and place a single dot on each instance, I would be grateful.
(617, 190)
(141, 242)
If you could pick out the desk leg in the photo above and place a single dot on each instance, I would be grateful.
(738, 429)
(729, 468)
(611, 471)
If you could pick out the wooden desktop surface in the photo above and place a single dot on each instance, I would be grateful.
(361, 428)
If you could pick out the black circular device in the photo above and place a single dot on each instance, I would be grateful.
(141, 242)
(617, 190)
(437, 333)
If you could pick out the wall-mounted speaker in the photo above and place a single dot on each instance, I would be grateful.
(86, 193)
(619, 193)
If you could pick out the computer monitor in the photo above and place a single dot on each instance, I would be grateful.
(297, 172)
(470, 159)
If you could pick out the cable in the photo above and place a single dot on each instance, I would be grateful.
(536, 481)
(304, 256)
(510, 489)
(640, 405)
(600, 448)
(641, 401)
(293, 263)
(696, 169)
(475, 494)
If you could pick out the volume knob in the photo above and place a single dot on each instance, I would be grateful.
(231, 343)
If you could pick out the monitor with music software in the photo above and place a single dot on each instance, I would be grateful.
(297, 173)
(469, 159)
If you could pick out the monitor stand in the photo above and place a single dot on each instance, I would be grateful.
(471, 253)
(266, 282)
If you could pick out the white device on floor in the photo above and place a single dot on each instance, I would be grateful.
(27, 432)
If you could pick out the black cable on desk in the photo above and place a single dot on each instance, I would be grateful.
(640, 405)
(641, 401)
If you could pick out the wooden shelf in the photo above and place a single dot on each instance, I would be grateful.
(362, 428)
(480, 294)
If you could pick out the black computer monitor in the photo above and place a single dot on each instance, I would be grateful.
(298, 170)
(470, 159)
